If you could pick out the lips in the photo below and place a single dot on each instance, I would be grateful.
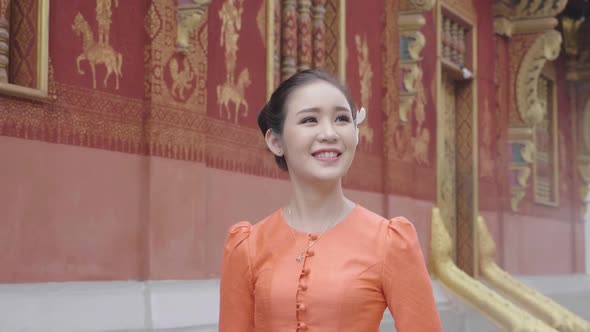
(327, 154)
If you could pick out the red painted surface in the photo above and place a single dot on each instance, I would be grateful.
(106, 184)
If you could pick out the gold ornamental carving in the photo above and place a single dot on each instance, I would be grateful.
(504, 313)
(97, 51)
(521, 139)
(410, 66)
(545, 48)
(174, 77)
(366, 78)
(526, 16)
(232, 91)
(528, 9)
(188, 19)
(533, 301)
(417, 5)
(538, 8)
(577, 49)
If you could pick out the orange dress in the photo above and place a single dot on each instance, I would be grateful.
(348, 278)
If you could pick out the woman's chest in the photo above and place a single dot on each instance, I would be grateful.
(328, 282)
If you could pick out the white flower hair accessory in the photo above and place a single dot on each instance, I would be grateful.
(361, 115)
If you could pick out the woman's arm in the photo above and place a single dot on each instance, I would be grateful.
(406, 283)
(236, 312)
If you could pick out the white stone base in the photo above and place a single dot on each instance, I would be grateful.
(193, 306)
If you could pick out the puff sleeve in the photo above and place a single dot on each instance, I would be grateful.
(406, 283)
(236, 312)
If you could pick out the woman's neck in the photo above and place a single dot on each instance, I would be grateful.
(314, 208)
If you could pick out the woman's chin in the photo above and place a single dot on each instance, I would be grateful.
(326, 176)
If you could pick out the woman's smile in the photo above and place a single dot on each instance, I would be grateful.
(327, 155)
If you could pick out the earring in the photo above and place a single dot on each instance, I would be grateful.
(280, 153)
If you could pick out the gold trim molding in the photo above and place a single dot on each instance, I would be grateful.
(545, 48)
(40, 92)
(270, 47)
(502, 312)
(534, 302)
(507, 27)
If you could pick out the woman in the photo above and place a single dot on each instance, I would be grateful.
(322, 262)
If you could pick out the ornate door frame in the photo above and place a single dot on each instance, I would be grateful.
(458, 24)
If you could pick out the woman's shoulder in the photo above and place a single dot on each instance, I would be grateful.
(237, 234)
(399, 228)
(247, 228)
(393, 223)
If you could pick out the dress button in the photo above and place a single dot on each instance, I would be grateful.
(313, 237)
(304, 272)
(301, 326)
(310, 253)
(300, 307)
(303, 287)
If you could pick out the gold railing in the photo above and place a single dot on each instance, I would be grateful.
(502, 312)
(534, 302)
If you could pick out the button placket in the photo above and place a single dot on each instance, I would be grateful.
(301, 308)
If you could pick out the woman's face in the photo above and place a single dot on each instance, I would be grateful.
(318, 137)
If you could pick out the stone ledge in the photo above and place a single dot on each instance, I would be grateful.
(193, 306)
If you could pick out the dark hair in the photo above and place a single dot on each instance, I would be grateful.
(272, 115)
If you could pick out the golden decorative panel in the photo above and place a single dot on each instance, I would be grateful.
(447, 200)
(36, 31)
(175, 73)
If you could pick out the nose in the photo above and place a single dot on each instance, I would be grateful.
(327, 132)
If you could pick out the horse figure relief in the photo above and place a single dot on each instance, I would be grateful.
(96, 53)
(234, 93)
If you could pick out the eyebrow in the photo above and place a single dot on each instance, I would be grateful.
(317, 109)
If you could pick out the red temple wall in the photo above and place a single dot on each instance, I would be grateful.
(143, 181)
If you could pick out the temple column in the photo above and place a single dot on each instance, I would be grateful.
(4, 39)
(288, 39)
(319, 33)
